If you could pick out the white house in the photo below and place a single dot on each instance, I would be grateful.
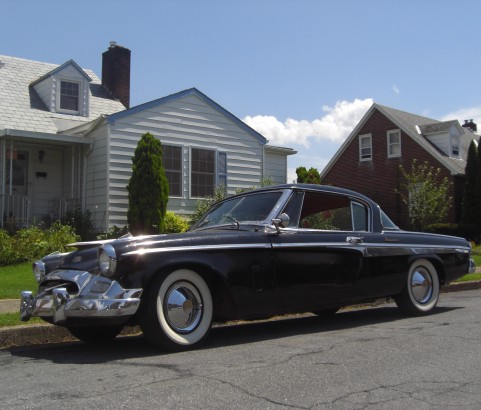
(67, 141)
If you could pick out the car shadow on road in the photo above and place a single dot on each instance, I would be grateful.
(241, 333)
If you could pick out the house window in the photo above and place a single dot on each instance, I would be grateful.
(172, 162)
(69, 96)
(202, 173)
(455, 146)
(394, 143)
(365, 147)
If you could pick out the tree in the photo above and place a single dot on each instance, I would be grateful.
(472, 193)
(308, 177)
(148, 188)
(425, 193)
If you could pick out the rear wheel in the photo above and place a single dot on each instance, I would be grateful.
(96, 334)
(421, 292)
(177, 313)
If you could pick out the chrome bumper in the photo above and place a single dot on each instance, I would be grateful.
(472, 266)
(97, 297)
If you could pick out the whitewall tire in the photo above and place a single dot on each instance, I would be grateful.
(178, 312)
(421, 292)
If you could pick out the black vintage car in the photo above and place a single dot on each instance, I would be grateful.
(276, 250)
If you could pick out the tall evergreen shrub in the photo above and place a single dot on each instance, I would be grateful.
(148, 188)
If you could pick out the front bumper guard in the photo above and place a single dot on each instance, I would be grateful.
(97, 297)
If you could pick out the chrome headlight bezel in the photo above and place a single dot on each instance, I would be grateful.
(38, 269)
(107, 260)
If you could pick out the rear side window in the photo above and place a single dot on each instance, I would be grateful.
(326, 212)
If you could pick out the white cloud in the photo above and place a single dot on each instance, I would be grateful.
(470, 113)
(335, 125)
(396, 89)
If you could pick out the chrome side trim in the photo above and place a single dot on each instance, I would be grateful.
(200, 248)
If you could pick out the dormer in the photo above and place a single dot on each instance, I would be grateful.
(445, 136)
(65, 90)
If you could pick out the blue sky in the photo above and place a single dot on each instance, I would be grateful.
(302, 72)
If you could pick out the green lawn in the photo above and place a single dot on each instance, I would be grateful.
(15, 278)
(13, 319)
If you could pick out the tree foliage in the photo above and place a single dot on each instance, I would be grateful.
(472, 191)
(148, 188)
(425, 193)
(308, 177)
(203, 204)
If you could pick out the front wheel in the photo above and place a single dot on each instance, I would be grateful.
(178, 311)
(421, 292)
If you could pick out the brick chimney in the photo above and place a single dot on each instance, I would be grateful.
(116, 72)
(471, 125)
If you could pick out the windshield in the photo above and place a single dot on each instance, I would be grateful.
(252, 208)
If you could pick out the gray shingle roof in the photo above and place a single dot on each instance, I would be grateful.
(21, 108)
(408, 122)
(417, 127)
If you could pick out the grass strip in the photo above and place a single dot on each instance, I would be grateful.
(13, 319)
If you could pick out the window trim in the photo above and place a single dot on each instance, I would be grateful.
(180, 170)
(59, 95)
(389, 133)
(361, 138)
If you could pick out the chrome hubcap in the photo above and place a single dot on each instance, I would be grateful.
(421, 285)
(183, 307)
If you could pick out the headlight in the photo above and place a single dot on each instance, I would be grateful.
(38, 269)
(107, 260)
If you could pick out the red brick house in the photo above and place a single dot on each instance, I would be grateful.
(369, 159)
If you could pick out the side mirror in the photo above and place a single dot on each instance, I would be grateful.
(281, 222)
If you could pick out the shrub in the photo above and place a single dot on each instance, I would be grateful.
(81, 222)
(34, 243)
(114, 233)
(148, 188)
(175, 223)
(203, 204)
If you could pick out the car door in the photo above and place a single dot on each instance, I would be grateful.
(319, 256)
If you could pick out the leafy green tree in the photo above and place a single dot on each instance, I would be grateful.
(203, 204)
(472, 193)
(425, 193)
(148, 188)
(308, 177)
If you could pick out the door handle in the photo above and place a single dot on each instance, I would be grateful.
(355, 240)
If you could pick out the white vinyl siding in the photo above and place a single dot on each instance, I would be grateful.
(393, 143)
(191, 123)
(275, 167)
(365, 147)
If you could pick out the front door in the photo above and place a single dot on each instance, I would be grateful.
(16, 172)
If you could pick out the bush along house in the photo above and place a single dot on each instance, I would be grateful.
(67, 139)
(386, 138)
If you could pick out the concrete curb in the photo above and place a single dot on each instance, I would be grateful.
(25, 335)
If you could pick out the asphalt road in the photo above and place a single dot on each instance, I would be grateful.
(370, 359)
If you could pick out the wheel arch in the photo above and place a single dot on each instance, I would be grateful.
(436, 261)
(225, 305)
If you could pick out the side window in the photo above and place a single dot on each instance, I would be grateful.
(359, 217)
(326, 212)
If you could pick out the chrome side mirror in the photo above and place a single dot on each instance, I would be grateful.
(281, 222)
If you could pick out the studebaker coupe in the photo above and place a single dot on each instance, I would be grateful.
(277, 250)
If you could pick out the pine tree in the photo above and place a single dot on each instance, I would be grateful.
(148, 188)
(471, 204)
